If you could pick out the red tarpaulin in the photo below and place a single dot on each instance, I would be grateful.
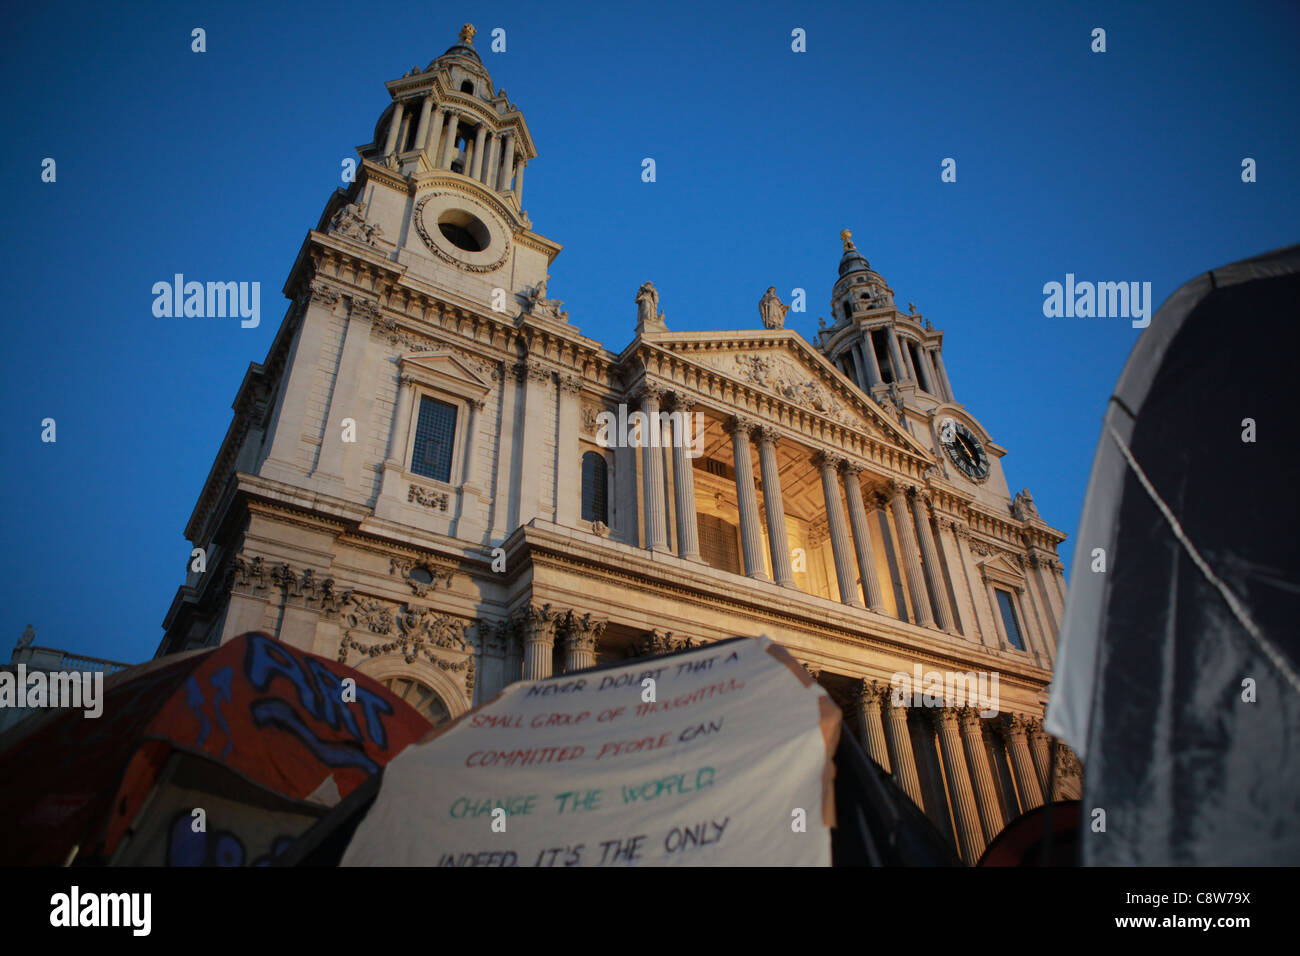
(256, 710)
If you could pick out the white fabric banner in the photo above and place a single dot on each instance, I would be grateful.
(729, 762)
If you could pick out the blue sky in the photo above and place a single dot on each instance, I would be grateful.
(1122, 166)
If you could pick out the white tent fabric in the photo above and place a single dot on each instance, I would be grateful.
(724, 758)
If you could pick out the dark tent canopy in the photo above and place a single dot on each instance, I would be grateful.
(1176, 682)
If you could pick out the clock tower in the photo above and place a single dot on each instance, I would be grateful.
(896, 357)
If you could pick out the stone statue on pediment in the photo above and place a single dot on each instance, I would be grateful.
(648, 316)
(538, 304)
(351, 222)
(772, 309)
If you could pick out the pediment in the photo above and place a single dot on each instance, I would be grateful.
(785, 365)
(447, 370)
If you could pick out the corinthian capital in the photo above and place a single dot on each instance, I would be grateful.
(873, 693)
(650, 391)
(737, 424)
(582, 633)
(1013, 725)
(827, 459)
(536, 622)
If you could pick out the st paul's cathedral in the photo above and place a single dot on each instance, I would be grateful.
(421, 479)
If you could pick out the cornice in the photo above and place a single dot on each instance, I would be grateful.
(543, 548)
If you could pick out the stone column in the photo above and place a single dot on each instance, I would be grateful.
(773, 504)
(536, 626)
(394, 126)
(943, 375)
(487, 174)
(970, 836)
(869, 349)
(895, 354)
(519, 180)
(870, 697)
(1052, 613)
(840, 547)
(988, 630)
(507, 163)
(871, 368)
(344, 394)
(581, 635)
(1022, 765)
(568, 506)
(688, 536)
(468, 517)
(930, 558)
(401, 421)
(986, 794)
(539, 409)
(506, 428)
(422, 131)
(1038, 747)
(1058, 578)
(449, 143)
(936, 387)
(652, 472)
(859, 373)
(901, 759)
(907, 360)
(963, 610)
(471, 440)
(910, 555)
(476, 171)
(750, 535)
(923, 370)
(862, 537)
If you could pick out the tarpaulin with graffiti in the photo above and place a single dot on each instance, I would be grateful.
(266, 718)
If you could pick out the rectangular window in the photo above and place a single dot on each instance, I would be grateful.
(718, 545)
(434, 433)
(1009, 620)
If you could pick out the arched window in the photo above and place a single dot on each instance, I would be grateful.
(420, 696)
(595, 488)
(467, 87)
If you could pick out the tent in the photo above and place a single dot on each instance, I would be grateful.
(259, 737)
(1176, 679)
(1047, 835)
(728, 754)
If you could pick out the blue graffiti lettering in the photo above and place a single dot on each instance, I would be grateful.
(273, 712)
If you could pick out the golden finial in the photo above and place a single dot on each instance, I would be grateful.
(848, 239)
(467, 34)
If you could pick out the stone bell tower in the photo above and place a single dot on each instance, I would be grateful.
(440, 187)
(896, 357)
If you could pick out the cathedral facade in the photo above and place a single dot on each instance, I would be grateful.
(436, 478)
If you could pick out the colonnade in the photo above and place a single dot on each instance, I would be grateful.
(859, 362)
(851, 535)
(970, 785)
(490, 155)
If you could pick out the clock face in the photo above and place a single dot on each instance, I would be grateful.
(965, 451)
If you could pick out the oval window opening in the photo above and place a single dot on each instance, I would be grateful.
(421, 576)
(464, 230)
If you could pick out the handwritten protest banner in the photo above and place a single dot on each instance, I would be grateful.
(719, 756)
